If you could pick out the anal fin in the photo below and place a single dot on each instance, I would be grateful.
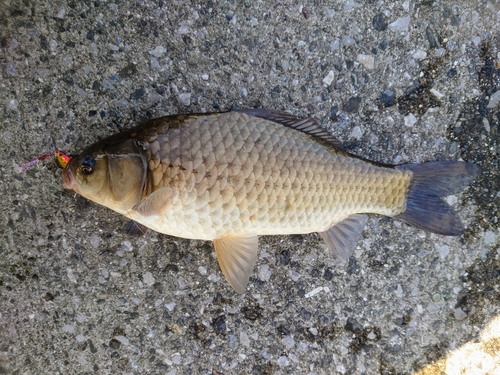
(342, 238)
(237, 256)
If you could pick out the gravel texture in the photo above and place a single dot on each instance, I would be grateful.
(397, 82)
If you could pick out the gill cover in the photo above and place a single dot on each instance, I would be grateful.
(126, 172)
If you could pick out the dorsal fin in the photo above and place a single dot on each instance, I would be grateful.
(306, 125)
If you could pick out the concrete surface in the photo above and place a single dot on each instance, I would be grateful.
(396, 81)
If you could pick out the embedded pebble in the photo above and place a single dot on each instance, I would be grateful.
(13, 105)
(70, 274)
(155, 65)
(489, 237)
(368, 61)
(124, 340)
(95, 240)
(459, 314)
(283, 361)
(387, 97)
(264, 273)
(443, 250)
(158, 51)
(410, 120)
(13, 44)
(185, 98)
(401, 24)
(244, 340)
(419, 55)
(329, 78)
(127, 246)
(494, 100)
(148, 278)
(288, 341)
(357, 133)
(68, 328)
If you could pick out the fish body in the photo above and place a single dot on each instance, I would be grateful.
(229, 177)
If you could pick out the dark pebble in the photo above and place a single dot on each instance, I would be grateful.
(219, 324)
(216, 105)
(315, 272)
(328, 274)
(70, 44)
(333, 112)
(352, 104)
(379, 22)
(229, 17)
(453, 98)
(452, 73)
(351, 268)
(496, 272)
(137, 94)
(283, 258)
(60, 114)
(387, 97)
(69, 80)
(114, 344)
(90, 34)
(353, 326)
(305, 314)
(92, 113)
(283, 330)
(383, 45)
(431, 37)
(96, 86)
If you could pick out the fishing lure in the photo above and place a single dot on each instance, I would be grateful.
(61, 158)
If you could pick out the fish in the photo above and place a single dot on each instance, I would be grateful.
(230, 177)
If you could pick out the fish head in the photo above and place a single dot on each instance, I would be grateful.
(111, 172)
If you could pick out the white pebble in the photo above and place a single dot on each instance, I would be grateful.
(127, 246)
(443, 250)
(368, 61)
(314, 292)
(13, 105)
(410, 120)
(202, 270)
(155, 65)
(439, 52)
(68, 328)
(494, 100)
(264, 273)
(122, 339)
(401, 24)
(80, 338)
(148, 278)
(283, 361)
(357, 133)
(419, 55)
(61, 13)
(170, 306)
(204, 77)
(314, 331)
(288, 341)
(53, 45)
(95, 240)
(489, 237)
(436, 93)
(294, 275)
(329, 78)
(460, 314)
(244, 340)
(185, 98)
(158, 51)
(70, 274)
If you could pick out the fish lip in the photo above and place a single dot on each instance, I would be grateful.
(69, 179)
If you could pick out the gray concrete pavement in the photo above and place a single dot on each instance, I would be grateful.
(397, 82)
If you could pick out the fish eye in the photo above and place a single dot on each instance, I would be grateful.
(87, 166)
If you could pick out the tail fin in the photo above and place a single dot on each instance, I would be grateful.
(424, 207)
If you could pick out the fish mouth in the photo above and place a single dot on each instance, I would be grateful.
(69, 179)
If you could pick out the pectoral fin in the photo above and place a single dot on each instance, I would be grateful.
(342, 238)
(134, 229)
(156, 203)
(237, 256)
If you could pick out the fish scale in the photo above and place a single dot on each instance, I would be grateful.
(291, 180)
(231, 176)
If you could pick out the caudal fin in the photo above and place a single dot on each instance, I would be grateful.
(424, 208)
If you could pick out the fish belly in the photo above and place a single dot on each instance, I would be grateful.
(234, 174)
